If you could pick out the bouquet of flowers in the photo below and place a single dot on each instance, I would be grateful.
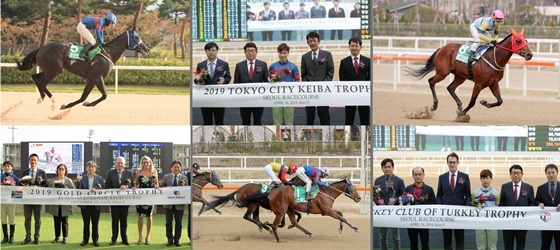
(200, 76)
(9, 181)
(127, 182)
(182, 183)
(59, 184)
(406, 199)
(274, 76)
(26, 180)
(479, 201)
(377, 193)
(97, 185)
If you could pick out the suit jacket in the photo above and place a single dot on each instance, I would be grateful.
(462, 193)
(354, 13)
(282, 15)
(388, 193)
(543, 196)
(333, 14)
(426, 190)
(317, 72)
(83, 184)
(221, 69)
(271, 15)
(241, 74)
(168, 181)
(112, 179)
(39, 173)
(526, 195)
(346, 71)
(66, 210)
(320, 12)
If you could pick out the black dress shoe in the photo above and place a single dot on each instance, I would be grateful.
(96, 243)
(83, 243)
(113, 242)
(37, 241)
(64, 241)
(177, 243)
(55, 240)
(169, 243)
(27, 240)
(126, 242)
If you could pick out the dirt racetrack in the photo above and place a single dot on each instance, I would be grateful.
(21, 108)
(231, 231)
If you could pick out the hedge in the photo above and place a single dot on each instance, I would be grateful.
(11, 75)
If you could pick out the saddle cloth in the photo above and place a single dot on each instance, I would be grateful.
(76, 49)
(465, 50)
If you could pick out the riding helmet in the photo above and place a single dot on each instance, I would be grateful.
(196, 166)
(112, 18)
(293, 167)
(498, 14)
(326, 171)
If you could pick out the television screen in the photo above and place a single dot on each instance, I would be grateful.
(161, 154)
(51, 154)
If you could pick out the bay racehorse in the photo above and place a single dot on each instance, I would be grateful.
(252, 213)
(199, 181)
(53, 60)
(486, 73)
(282, 201)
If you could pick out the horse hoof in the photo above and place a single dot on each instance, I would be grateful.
(434, 107)
(356, 230)
(484, 102)
(63, 106)
(340, 230)
(291, 226)
(53, 107)
(460, 112)
(39, 100)
(86, 104)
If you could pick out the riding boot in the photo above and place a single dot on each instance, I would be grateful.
(5, 232)
(83, 54)
(12, 231)
(307, 196)
(472, 56)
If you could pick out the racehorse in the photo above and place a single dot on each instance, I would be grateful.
(53, 60)
(282, 201)
(199, 182)
(487, 74)
(239, 196)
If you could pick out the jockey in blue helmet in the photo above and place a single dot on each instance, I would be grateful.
(97, 23)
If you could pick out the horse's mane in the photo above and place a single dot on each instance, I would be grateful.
(505, 38)
(116, 38)
(343, 179)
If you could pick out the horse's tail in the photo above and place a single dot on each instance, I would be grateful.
(227, 200)
(29, 61)
(254, 198)
(421, 72)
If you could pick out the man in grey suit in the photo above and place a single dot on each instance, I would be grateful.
(267, 15)
(392, 187)
(218, 73)
(39, 178)
(121, 178)
(318, 11)
(250, 71)
(173, 179)
(316, 66)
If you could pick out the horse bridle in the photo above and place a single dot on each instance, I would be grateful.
(514, 49)
(347, 189)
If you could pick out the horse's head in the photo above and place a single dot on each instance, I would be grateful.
(519, 44)
(350, 190)
(214, 179)
(135, 43)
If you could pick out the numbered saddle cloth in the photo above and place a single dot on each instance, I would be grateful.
(299, 193)
(465, 50)
(76, 49)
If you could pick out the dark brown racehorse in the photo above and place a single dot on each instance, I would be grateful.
(199, 182)
(486, 72)
(53, 60)
(282, 201)
(252, 213)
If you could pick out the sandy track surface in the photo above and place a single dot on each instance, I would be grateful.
(21, 108)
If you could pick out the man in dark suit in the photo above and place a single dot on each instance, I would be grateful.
(173, 179)
(316, 66)
(547, 195)
(252, 17)
(218, 73)
(250, 71)
(121, 178)
(423, 194)
(286, 14)
(336, 12)
(91, 182)
(516, 193)
(392, 187)
(39, 178)
(267, 15)
(454, 188)
(355, 68)
(318, 11)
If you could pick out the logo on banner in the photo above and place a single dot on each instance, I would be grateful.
(177, 193)
(18, 194)
(545, 216)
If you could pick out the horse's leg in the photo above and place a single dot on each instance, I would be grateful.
(433, 81)
(451, 89)
(338, 215)
(42, 80)
(298, 215)
(476, 91)
(36, 79)
(101, 87)
(256, 212)
(253, 210)
(204, 202)
(279, 211)
(292, 217)
(495, 88)
(85, 93)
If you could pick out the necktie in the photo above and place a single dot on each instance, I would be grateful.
(120, 177)
(315, 57)
(552, 190)
(175, 181)
(356, 65)
(32, 176)
(266, 14)
(286, 14)
(251, 70)
(211, 70)
(336, 10)
(515, 193)
(452, 183)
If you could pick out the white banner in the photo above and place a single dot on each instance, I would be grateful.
(282, 94)
(463, 217)
(517, 131)
(305, 24)
(102, 197)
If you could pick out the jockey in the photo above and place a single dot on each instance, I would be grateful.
(480, 29)
(96, 23)
(195, 168)
(277, 173)
(306, 172)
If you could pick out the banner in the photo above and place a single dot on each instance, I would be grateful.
(516, 131)
(463, 217)
(101, 197)
(306, 24)
(282, 94)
